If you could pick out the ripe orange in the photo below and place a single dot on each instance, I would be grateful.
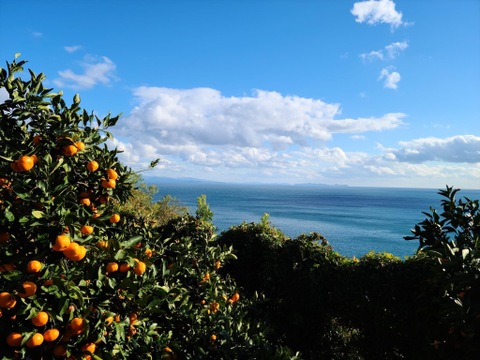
(59, 350)
(6, 267)
(115, 218)
(133, 318)
(35, 159)
(148, 252)
(90, 347)
(85, 201)
(7, 300)
(213, 337)
(140, 268)
(69, 150)
(103, 199)
(25, 163)
(86, 230)
(109, 184)
(124, 267)
(40, 319)
(34, 266)
(80, 145)
(235, 297)
(112, 267)
(29, 288)
(51, 335)
(4, 237)
(37, 139)
(75, 252)
(48, 282)
(77, 324)
(62, 242)
(14, 339)
(92, 166)
(35, 340)
(102, 244)
(112, 174)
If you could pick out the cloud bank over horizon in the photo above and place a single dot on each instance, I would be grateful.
(275, 137)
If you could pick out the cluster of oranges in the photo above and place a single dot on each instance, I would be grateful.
(44, 331)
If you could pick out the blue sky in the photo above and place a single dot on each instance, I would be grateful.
(366, 93)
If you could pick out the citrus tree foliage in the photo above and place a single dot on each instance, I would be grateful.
(452, 239)
(79, 279)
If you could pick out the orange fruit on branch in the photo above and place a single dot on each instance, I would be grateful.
(34, 266)
(77, 324)
(25, 163)
(14, 339)
(40, 319)
(80, 145)
(86, 230)
(90, 347)
(6, 267)
(109, 184)
(37, 139)
(7, 300)
(51, 335)
(140, 268)
(69, 150)
(92, 166)
(30, 288)
(59, 351)
(112, 267)
(115, 218)
(75, 252)
(35, 340)
(112, 174)
(62, 242)
(85, 201)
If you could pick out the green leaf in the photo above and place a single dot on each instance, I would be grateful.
(132, 241)
(37, 214)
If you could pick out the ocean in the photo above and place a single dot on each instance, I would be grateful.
(355, 220)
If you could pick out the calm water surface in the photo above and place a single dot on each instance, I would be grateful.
(354, 220)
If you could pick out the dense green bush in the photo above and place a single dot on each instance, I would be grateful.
(330, 307)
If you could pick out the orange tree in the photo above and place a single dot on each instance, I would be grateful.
(79, 280)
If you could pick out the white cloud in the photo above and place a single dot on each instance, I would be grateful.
(395, 48)
(37, 34)
(266, 132)
(390, 77)
(72, 49)
(95, 70)
(455, 149)
(390, 52)
(373, 12)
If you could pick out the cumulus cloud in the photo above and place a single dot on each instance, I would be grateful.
(390, 78)
(205, 116)
(96, 70)
(455, 149)
(72, 49)
(266, 131)
(389, 52)
(373, 12)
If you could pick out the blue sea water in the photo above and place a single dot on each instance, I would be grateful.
(354, 220)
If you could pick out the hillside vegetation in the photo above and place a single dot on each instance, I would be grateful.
(91, 268)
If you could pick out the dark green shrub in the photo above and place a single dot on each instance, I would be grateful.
(452, 240)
